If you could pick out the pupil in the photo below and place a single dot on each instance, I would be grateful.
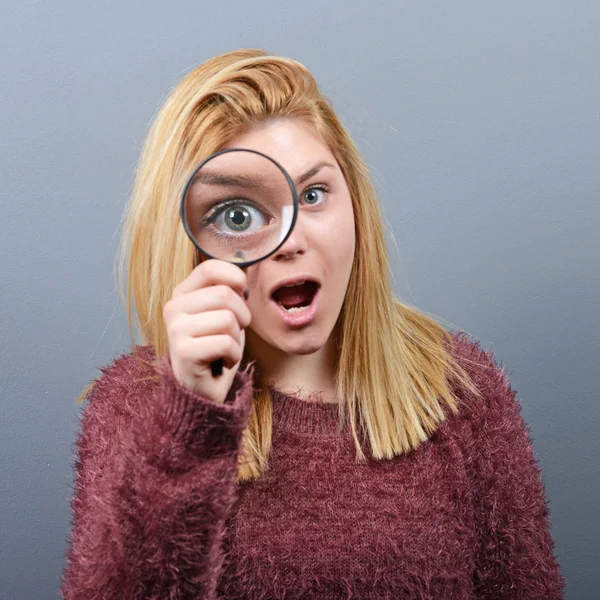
(238, 219)
(310, 196)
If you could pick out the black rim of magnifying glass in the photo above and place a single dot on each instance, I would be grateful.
(189, 183)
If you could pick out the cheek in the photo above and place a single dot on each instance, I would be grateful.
(343, 240)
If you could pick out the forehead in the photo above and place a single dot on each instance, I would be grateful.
(293, 143)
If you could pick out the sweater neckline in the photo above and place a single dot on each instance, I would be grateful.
(307, 417)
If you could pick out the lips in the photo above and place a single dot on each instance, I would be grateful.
(299, 317)
(301, 296)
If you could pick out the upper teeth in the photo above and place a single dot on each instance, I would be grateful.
(293, 284)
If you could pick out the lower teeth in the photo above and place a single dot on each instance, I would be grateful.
(294, 309)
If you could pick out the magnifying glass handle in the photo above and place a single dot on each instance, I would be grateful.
(216, 367)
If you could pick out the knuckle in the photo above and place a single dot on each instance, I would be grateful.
(199, 275)
(211, 267)
(204, 264)
(230, 346)
(176, 327)
(231, 321)
(222, 294)
(176, 291)
(168, 310)
(180, 347)
(237, 353)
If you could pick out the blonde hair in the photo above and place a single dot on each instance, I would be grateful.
(396, 388)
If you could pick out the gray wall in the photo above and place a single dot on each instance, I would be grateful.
(480, 121)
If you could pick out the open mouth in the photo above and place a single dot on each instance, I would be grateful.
(296, 298)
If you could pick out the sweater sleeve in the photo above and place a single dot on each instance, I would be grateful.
(515, 554)
(155, 479)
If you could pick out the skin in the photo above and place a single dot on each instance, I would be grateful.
(302, 360)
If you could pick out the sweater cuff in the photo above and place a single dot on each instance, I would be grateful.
(205, 427)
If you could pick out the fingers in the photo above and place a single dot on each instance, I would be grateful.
(205, 320)
(213, 272)
(213, 298)
(198, 351)
(215, 322)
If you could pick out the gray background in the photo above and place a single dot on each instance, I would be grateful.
(480, 122)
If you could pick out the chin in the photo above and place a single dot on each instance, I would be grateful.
(299, 344)
(301, 349)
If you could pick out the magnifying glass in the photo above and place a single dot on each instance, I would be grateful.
(238, 205)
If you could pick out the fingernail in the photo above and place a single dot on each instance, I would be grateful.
(246, 293)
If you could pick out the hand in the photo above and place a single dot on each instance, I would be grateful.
(205, 320)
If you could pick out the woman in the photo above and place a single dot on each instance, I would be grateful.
(351, 449)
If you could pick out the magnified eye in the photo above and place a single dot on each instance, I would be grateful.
(235, 216)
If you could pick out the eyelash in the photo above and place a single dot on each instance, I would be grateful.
(217, 209)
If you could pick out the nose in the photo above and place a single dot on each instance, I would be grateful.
(295, 244)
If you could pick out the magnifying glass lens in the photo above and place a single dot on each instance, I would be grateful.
(238, 206)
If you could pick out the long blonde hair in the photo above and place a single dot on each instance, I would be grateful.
(396, 387)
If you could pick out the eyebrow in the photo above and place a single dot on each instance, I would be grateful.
(213, 178)
(306, 176)
(251, 181)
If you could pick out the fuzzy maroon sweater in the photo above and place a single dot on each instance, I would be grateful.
(157, 513)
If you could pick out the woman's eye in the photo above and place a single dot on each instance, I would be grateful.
(237, 218)
(313, 195)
